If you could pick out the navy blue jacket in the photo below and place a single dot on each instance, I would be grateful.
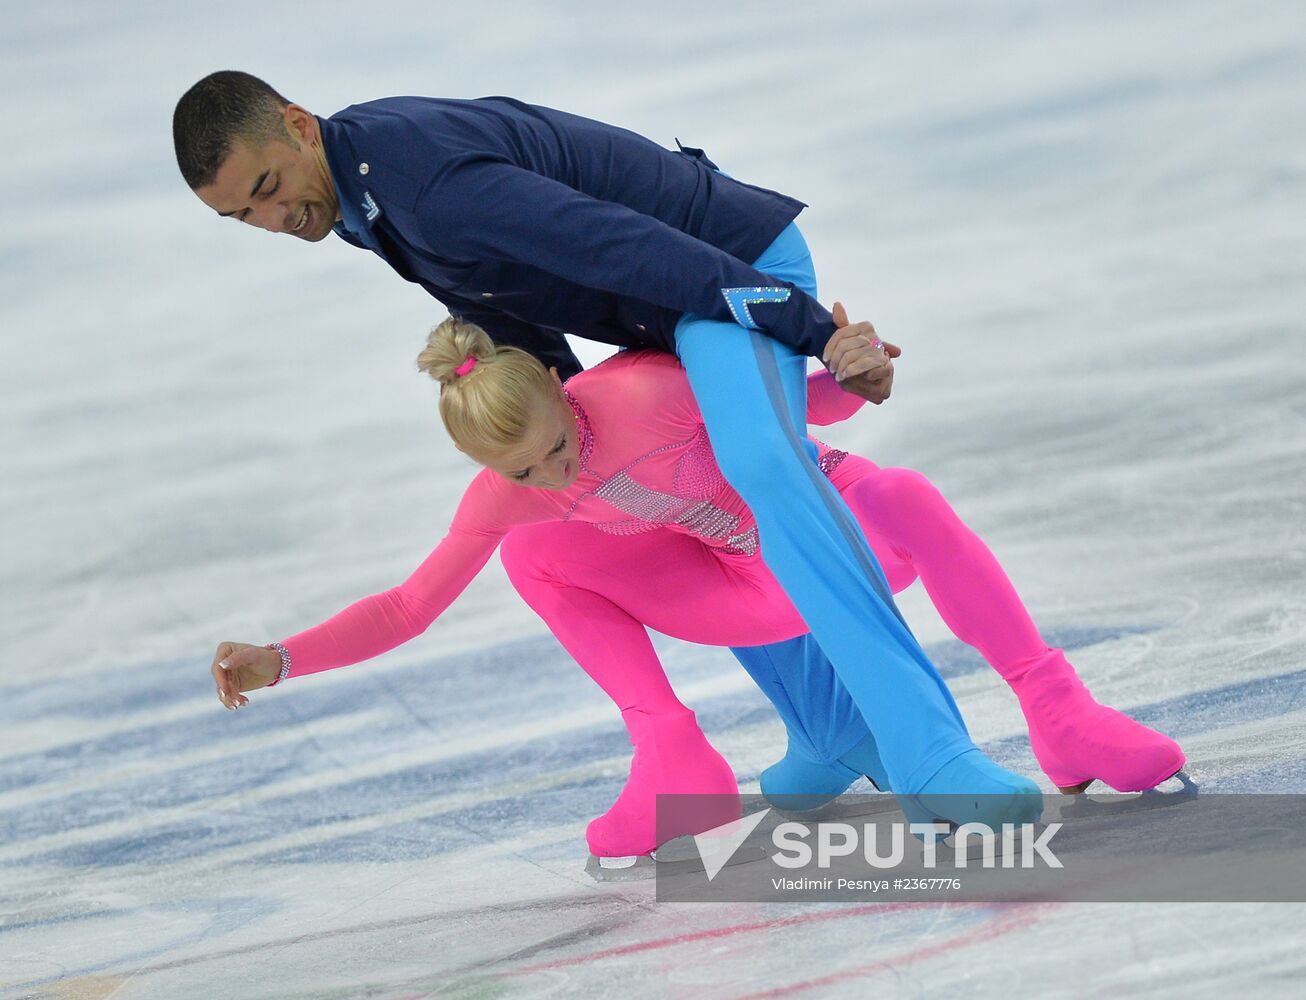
(531, 222)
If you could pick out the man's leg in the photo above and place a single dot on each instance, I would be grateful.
(829, 743)
(751, 390)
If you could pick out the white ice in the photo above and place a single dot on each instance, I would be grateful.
(1083, 224)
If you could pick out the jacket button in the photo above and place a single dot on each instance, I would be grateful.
(363, 168)
(641, 327)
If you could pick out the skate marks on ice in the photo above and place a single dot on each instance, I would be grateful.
(533, 943)
(463, 816)
(321, 771)
(159, 796)
(570, 945)
(387, 778)
(553, 923)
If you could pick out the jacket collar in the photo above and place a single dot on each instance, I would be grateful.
(358, 209)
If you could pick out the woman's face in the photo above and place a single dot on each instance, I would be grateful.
(548, 457)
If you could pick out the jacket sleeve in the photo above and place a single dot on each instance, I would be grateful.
(488, 209)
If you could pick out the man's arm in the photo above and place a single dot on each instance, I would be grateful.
(859, 360)
(491, 210)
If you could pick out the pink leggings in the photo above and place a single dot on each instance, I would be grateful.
(598, 592)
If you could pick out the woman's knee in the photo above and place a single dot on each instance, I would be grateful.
(527, 552)
(903, 496)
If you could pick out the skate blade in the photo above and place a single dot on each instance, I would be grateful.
(1162, 796)
(675, 858)
(1189, 786)
(1079, 789)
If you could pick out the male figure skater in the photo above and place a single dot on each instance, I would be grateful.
(530, 222)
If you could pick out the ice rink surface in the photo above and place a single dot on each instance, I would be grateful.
(1083, 224)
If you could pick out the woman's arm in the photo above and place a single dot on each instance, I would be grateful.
(827, 402)
(370, 627)
(383, 621)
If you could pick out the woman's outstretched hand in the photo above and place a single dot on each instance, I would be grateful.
(859, 360)
(239, 666)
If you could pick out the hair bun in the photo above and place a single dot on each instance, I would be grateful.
(448, 347)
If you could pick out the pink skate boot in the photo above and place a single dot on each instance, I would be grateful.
(1077, 741)
(672, 756)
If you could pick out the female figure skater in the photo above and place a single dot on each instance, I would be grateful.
(624, 448)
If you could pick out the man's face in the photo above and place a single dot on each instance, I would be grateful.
(280, 186)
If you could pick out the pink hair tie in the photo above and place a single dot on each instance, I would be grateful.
(466, 367)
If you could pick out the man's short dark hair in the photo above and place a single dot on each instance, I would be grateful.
(223, 107)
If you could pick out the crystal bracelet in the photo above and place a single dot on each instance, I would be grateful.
(284, 653)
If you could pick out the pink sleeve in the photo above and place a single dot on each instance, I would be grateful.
(647, 394)
(383, 621)
(827, 403)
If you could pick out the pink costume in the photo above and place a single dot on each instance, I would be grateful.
(689, 567)
(651, 422)
(651, 467)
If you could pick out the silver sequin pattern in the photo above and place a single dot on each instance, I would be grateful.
(697, 481)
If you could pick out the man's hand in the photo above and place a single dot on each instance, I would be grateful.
(239, 666)
(860, 361)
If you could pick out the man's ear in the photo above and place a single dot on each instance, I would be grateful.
(300, 123)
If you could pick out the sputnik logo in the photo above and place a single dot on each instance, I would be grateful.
(717, 846)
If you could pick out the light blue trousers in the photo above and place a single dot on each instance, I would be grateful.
(860, 665)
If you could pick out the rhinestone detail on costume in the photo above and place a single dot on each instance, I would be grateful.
(284, 653)
(698, 480)
(739, 299)
(830, 460)
(584, 436)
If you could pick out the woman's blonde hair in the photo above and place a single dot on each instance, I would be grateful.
(489, 407)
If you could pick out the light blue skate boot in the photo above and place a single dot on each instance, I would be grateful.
(799, 783)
